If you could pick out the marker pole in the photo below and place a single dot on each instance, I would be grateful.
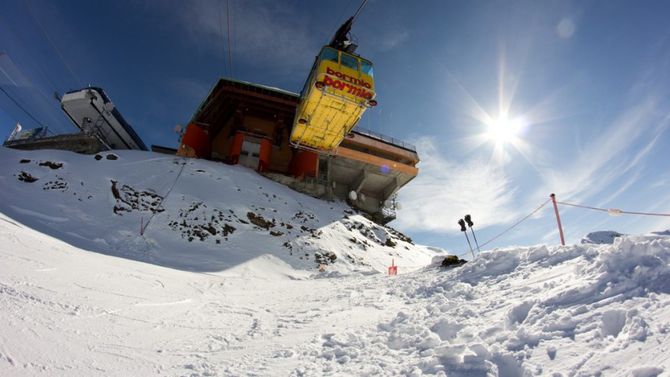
(558, 218)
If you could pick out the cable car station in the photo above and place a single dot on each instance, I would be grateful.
(251, 125)
(308, 141)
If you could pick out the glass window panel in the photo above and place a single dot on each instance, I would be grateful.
(349, 61)
(366, 67)
(329, 54)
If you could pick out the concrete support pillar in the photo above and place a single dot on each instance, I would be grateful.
(358, 183)
(390, 189)
(329, 179)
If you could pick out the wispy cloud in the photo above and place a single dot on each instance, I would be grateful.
(34, 100)
(9, 74)
(607, 158)
(192, 89)
(261, 31)
(444, 191)
(658, 204)
(393, 39)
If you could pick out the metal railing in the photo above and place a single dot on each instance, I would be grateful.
(384, 138)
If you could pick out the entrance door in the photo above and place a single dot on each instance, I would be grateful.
(250, 154)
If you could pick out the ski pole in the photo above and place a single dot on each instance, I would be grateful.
(470, 245)
(476, 243)
(468, 220)
(464, 230)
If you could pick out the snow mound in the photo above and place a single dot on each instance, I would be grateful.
(192, 215)
(575, 310)
(601, 237)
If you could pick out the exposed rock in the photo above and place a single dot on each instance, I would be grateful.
(399, 235)
(303, 217)
(129, 199)
(51, 164)
(453, 261)
(59, 185)
(26, 177)
(198, 222)
(259, 221)
(325, 258)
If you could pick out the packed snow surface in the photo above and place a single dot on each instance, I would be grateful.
(82, 293)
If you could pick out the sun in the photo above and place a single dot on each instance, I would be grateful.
(505, 133)
(504, 130)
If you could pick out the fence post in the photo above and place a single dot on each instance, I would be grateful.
(558, 218)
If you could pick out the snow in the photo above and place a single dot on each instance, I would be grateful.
(601, 237)
(82, 293)
(205, 224)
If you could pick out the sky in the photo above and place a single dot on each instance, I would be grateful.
(506, 101)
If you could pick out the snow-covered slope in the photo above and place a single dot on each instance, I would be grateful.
(579, 310)
(213, 217)
(568, 311)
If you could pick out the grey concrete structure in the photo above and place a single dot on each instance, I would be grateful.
(79, 143)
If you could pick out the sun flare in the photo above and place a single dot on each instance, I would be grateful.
(503, 130)
(505, 134)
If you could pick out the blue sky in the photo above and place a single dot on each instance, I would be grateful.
(585, 84)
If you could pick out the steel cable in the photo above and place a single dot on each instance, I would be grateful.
(22, 108)
(515, 224)
(615, 211)
(181, 170)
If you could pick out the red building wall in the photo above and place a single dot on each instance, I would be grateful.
(304, 163)
(236, 148)
(195, 141)
(265, 153)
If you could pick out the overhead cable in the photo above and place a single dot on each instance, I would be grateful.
(21, 107)
(516, 223)
(359, 9)
(60, 56)
(614, 211)
(223, 39)
(160, 204)
(230, 55)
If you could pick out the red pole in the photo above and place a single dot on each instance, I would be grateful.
(558, 218)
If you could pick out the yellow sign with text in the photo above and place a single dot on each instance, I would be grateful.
(335, 100)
